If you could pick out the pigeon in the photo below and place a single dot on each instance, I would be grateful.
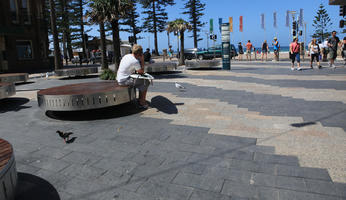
(70, 140)
(180, 87)
(47, 75)
(64, 135)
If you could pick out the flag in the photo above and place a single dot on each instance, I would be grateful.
(275, 25)
(301, 20)
(287, 18)
(241, 24)
(230, 24)
(262, 21)
(220, 23)
(211, 27)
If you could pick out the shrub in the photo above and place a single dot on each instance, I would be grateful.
(108, 75)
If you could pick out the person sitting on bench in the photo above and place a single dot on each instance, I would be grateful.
(134, 63)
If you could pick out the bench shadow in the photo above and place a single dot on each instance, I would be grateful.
(30, 187)
(13, 104)
(111, 112)
(79, 77)
(24, 83)
(162, 104)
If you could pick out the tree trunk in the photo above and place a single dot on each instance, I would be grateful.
(181, 57)
(104, 60)
(155, 29)
(84, 42)
(57, 54)
(116, 43)
(194, 24)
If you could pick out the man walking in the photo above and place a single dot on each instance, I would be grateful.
(276, 49)
(333, 47)
(248, 50)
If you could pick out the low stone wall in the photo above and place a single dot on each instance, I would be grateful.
(202, 64)
(81, 71)
(160, 67)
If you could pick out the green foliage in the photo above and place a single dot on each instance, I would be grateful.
(194, 9)
(321, 23)
(108, 75)
(130, 22)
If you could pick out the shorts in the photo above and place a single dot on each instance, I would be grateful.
(264, 51)
(295, 56)
(276, 52)
(141, 84)
(315, 56)
(248, 51)
(332, 54)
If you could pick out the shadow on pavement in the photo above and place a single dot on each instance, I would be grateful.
(79, 77)
(298, 125)
(168, 75)
(13, 104)
(32, 187)
(117, 111)
(25, 83)
(162, 104)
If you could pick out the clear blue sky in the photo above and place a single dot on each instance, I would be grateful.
(251, 11)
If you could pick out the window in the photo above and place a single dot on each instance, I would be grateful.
(14, 10)
(26, 11)
(24, 50)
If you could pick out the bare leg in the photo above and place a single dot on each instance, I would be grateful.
(142, 97)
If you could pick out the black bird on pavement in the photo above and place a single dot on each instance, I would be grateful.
(64, 135)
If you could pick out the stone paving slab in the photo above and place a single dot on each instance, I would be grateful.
(160, 154)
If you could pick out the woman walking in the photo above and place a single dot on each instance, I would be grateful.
(294, 53)
(265, 50)
(314, 51)
(241, 51)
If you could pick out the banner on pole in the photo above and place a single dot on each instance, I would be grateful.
(287, 18)
(262, 21)
(275, 23)
(211, 26)
(241, 24)
(230, 24)
(301, 20)
(220, 23)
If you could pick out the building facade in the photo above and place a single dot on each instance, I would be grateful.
(23, 36)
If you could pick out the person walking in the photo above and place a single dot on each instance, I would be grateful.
(276, 47)
(295, 53)
(241, 51)
(265, 50)
(248, 50)
(343, 50)
(314, 51)
(333, 43)
(170, 52)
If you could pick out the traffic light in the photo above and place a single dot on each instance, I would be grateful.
(294, 33)
(300, 33)
(294, 25)
(211, 37)
(342, 23)
(342, 11)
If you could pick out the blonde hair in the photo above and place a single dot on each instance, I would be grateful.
(137, 49)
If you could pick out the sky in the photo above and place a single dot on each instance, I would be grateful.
(251, 11)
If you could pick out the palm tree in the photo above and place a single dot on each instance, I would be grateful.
(57, 54)
(96, 15)
(180, 26)
(112, 11)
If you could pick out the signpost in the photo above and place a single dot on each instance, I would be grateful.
(225, 38)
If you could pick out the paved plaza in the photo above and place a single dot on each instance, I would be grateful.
(257, 132)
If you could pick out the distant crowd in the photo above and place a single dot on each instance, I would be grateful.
(326, 50)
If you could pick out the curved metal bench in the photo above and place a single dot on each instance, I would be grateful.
(160, 67)
(80, 71)
(8, 172)
(84, 96)
(203, 64)
(14, 77)
(6, 90)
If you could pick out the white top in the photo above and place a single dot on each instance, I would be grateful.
(325, 44)
(314, 49)
(128, 65)
(321, 46)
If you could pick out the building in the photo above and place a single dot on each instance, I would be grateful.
(23, 36)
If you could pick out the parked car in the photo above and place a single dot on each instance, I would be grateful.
(189, 53)
(216, 52)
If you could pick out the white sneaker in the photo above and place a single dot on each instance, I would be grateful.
(292, 69)
(299, 69)
(333, 66)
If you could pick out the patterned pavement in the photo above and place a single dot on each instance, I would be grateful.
(259, 131)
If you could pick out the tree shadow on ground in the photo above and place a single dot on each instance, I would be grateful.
(175, 74)
(111, 112)
(162, 104)
(205, 68)
(13, 104)
(30, 187)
